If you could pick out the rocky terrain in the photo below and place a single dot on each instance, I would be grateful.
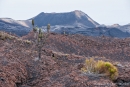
(62, 58)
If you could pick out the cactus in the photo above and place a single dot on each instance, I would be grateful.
(64, 32)
(40, 37)
(48, 28)
(33, 22)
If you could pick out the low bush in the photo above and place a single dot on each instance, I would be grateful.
(28, 42)
(100, 67)
(4, 36)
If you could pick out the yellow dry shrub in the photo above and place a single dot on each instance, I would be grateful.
(83, 69)
(28, 42)
(100, 67)
(90, 65)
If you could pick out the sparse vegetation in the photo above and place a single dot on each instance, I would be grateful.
(61, 61)
(40, 37)
(100, 67)
(4, 36)
(27, 41)
(48, 28)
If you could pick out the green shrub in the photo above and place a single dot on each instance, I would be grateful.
(111, 70)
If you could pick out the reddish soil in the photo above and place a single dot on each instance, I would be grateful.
(62, 58)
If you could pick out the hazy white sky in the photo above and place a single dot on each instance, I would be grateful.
(103, 11)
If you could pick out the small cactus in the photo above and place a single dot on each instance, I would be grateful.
(64, 32)
(33, 22)
(48, 28)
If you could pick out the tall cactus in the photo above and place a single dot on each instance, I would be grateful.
(34, 28)
(40, 37)
(33, 23)
(48, 28)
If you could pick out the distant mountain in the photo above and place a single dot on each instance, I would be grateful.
(97, 31)
(25, 23)
(69, 18)
(75, 18)
(115, 26)
(74, 22)
(19, 28)
(124, 28)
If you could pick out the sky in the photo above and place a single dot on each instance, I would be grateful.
(106, 12)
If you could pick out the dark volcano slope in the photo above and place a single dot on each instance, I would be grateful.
(68, 18)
